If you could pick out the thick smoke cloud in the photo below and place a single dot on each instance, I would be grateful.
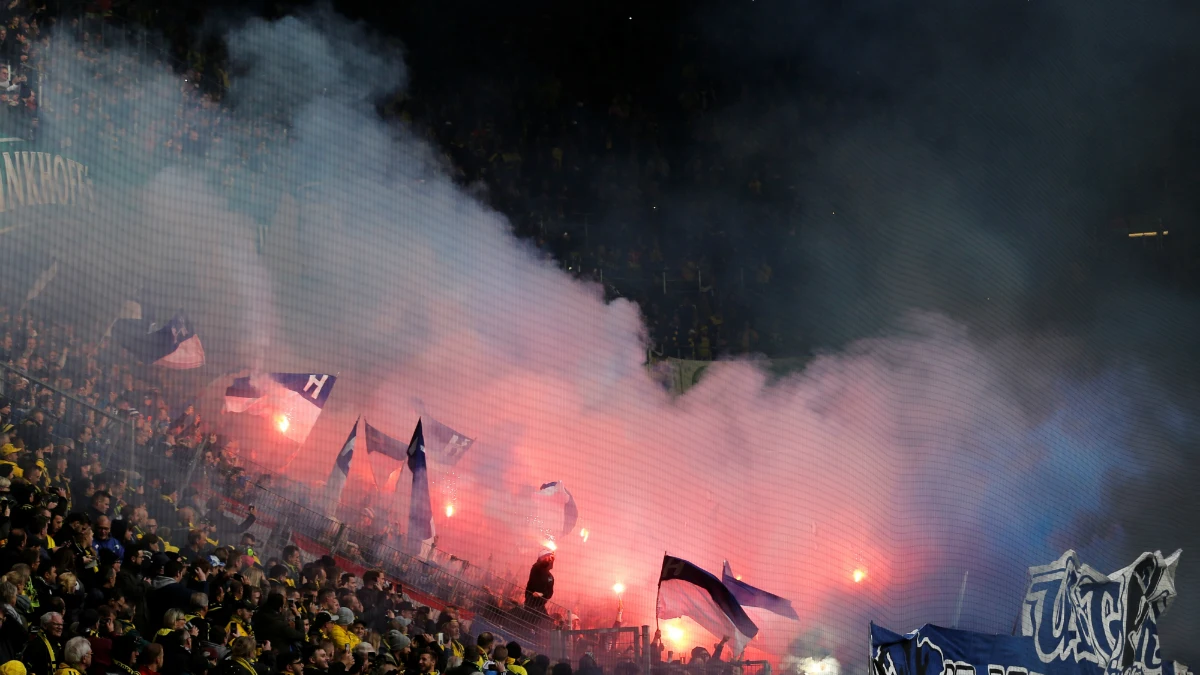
(917, 451)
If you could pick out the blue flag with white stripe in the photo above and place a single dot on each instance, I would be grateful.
(174, 345)
(293, 401)
(341, 470)
(687, 590)
(750, 596)
(420, 511)
(447, 443)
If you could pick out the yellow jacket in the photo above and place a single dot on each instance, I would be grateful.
(342, 637)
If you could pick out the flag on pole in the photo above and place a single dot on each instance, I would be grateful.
(420, 511)
(749, 596)
(341, 471)
(555, 510)
(293, 401)
(175, 345)
(687, 590)
(386, 456)
(42, 282)
(381, 443)
(449, 445)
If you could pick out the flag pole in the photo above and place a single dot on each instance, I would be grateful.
(962, 592)
(658, 595)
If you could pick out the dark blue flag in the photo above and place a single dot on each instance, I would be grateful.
(420, 511)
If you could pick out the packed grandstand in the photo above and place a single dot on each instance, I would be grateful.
(136, 538)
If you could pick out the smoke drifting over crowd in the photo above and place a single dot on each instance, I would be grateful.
(948, 431)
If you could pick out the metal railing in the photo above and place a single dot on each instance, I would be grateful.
(608, 648)
(283, 518)
(68, 413)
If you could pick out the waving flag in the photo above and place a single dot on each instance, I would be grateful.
(41, 282)
(554, 510)
(341, 471)
(687, 590)
(449, 444)
(386, 456)
(293, 401)
(420, 511)
(175, 345)
(750, 596)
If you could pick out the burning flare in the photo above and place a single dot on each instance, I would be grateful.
(584, 533)
(449, 510)
(550, 545)
(618, 588)
(859, 575)
(282, 423)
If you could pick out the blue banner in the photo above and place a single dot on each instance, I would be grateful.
(1075, 621)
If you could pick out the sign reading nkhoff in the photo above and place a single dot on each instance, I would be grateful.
(41, 178)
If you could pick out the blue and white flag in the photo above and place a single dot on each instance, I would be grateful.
(341, 471)
(420, 510)
(381, 443)
(293, 401)
(555, 512)
(174, 345)
(386, 456)
(1074, 613)
(750, 596)
(449, 445)
(1075, 621)
(687, 590)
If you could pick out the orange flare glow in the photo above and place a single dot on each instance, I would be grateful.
(449, 510)
(282, 423)
(618, 588)
(859, 575)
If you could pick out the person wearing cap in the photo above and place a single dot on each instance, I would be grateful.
(239, 625)
(398, 644)
(340, 631)
(8, 457)
(125, 652)
(540, 586)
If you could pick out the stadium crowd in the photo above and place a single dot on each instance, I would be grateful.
(119, 551)
(111, 570)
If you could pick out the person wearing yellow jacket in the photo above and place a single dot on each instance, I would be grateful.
(343, 638)
(8, 455)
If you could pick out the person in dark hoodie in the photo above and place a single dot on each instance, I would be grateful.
(271, 624)
(170, 590)
(540, 586)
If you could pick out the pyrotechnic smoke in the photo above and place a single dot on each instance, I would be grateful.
(913, 453)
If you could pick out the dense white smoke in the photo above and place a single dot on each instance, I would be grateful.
(911, 457)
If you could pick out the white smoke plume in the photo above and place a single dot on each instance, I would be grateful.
(909, 457)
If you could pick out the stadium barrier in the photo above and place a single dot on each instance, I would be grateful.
(609, 647)
(72, 412)
(489, 602)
